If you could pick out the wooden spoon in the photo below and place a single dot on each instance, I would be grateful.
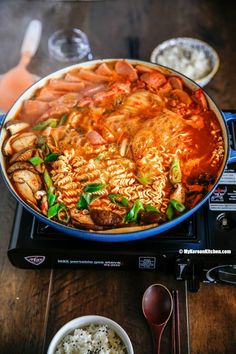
(157, 307)
(18, 79)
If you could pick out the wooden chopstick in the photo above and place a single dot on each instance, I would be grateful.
(173, 329)
(176, 349)
(178, 321)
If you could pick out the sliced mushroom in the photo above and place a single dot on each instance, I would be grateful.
(40, 194)
(78, 225)
(34, 206)
(42, 197)
(16, 126)
(27, 183)
(6, 147)
(20, 165)
(23, 155)
(82, 218)
(23, 141)
(40, 167)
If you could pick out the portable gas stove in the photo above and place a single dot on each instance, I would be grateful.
(202, 248)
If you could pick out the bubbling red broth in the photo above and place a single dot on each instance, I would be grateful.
(114, 145)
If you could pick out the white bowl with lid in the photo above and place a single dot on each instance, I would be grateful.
(85, 321)
(191, 57)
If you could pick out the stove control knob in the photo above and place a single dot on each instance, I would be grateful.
(224, 221)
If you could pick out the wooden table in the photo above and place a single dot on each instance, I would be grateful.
(34, 304)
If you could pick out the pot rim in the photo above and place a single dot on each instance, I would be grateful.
(113, 235)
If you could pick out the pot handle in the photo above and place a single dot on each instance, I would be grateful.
(231, 117)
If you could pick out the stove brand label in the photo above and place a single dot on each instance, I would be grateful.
(147, 262)
(223, 198)
(90, 262)
(228, 177)
(35, 260)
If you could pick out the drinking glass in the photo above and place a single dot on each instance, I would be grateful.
(69, 45)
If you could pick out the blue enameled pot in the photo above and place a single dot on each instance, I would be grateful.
(129, 233)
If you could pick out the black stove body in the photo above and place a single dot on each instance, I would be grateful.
(202, 248)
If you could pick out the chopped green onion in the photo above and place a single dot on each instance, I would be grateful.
(46, 149)
(51, 122)
(40, 126)
(63, 214)
(47, 179)
(170, 212)
(60, 210)
(85, 200)
(51, 157)
(94, 187)
(143, 178)
(82, 203)
(177, 205)
(35, 160)
(132, 215)
(41, 141)
(43, 145)
(151, 208)
(118, 199)
(63, 119)
(99, 157)
(90, 198)
(175, 174)
(51, 196)
(53, 210)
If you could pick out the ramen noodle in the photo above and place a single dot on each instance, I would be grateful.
(113, 145)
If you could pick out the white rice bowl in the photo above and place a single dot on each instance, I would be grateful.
(91, 335)
(191, 57)
(92, 339)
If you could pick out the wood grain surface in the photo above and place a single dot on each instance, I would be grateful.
(114, 294)
(213, 326)
(34, 304)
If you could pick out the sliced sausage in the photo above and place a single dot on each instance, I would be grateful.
(154, 79)
(126, 69)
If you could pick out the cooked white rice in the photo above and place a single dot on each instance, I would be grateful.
(92, 339)
(191, 62)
